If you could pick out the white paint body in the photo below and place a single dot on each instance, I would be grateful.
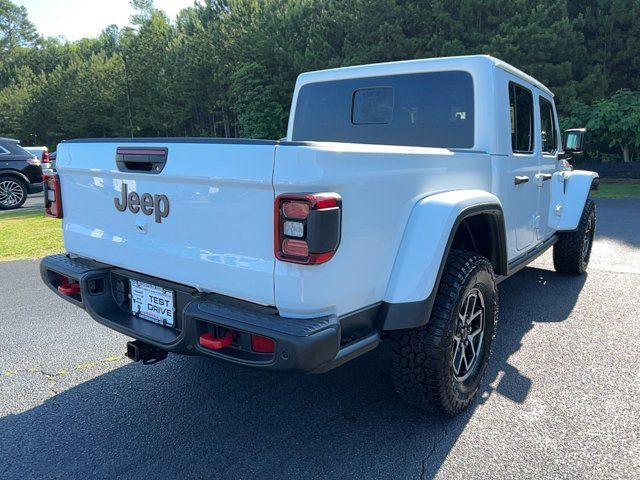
(399, 203)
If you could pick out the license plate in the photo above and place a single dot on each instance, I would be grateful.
(152, 303)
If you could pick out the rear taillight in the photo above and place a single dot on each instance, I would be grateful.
(45, 157)
(52, 197)
(307, 227)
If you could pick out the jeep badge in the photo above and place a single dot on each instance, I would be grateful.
(145, 203)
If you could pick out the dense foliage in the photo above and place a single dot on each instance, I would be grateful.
(228, 67)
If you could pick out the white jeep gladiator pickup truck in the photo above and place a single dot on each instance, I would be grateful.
(402, 195)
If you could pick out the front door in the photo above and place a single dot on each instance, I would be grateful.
(548, 159)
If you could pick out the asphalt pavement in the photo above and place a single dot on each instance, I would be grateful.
(560, 398)
(34, 201)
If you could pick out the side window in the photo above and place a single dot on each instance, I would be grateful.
(3, 151)
(521, 111)
(548, 130)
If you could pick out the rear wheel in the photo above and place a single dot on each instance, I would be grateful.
(572, 251)
(439, 367)
(13, 193)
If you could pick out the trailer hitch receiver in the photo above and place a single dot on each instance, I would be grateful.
(143, 352)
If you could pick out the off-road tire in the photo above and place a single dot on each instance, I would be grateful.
(422, 358)
(570, 256)
(19, 183)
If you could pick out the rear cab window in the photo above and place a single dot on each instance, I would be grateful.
(434, 109)
(521, 113)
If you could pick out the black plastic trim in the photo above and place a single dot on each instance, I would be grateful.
(150, 160)
(305, 344)
(360, 323)
(399, 316)
(519, 263)
(351, 351)
(323, 230)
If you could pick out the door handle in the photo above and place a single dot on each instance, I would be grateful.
(545, 176)
(520, 179)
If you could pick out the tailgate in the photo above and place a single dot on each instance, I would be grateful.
(205, 220)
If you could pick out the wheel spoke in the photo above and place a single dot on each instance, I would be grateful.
(475, 315)
(466, 310)
(467, 342)
(586, 242)
(464, 356)
(473, 353)
(456, 350)
(472, 309)
(474, 334)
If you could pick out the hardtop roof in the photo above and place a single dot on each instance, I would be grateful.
(412, 66)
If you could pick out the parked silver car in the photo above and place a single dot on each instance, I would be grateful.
(42, 153)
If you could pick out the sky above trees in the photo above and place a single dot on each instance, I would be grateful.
(76, 19)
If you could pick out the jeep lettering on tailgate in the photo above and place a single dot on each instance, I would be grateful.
(145, 203)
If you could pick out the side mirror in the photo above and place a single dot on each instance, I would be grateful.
(574, 140)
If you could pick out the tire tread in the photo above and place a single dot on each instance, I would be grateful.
(419, 367)
(567, 252)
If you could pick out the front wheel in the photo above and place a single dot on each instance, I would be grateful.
(439, 367)
(572, 251)
(13, 193)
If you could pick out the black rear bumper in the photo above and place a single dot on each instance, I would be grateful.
(300, 344)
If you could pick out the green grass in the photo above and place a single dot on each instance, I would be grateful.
(28, 234)
(617, 189)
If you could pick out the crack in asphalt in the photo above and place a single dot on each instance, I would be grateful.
(425, 460)
(52, 376)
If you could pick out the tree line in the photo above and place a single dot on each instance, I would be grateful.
(226, 68)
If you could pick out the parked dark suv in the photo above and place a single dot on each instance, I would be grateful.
(20, 174)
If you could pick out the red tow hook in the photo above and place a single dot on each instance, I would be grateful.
(66, 287)
(207, 340)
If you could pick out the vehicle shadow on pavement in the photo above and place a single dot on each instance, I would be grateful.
(532, 296)
(196, 418)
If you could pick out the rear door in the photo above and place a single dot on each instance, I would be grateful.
(519, 193)
(203, 219)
